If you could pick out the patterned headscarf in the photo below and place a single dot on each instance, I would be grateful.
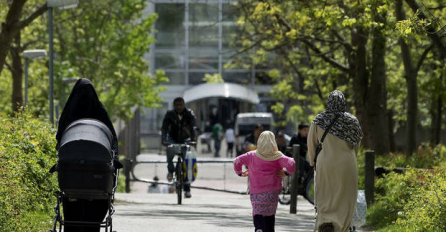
(346, 127)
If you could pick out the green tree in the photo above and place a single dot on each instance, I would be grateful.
(16, 16)
(326, 45)
(350, 45)
(104, 41)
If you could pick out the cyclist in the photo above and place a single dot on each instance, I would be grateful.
(178, 128)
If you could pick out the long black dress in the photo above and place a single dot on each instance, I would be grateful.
(83, 102)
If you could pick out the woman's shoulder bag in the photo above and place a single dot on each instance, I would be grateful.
(319, 146)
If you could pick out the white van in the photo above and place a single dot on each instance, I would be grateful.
(245, 123)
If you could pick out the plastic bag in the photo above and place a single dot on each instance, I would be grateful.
(190, 166)
(359, 217)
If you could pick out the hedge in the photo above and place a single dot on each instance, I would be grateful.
(27, 151)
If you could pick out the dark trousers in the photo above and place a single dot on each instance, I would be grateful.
(171, 169)
(264, 223)
(171, 166)
(230, 148)
(217, 144)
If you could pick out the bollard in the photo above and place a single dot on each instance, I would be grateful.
(369, 177)
(127, 169)
(294, 182)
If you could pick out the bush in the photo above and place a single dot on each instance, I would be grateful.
(27, 151)
(426, 208)
(392, 194)
(414, 200)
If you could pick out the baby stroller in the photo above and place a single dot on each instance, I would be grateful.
(87, 173)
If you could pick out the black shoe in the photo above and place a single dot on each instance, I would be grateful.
(326, 227)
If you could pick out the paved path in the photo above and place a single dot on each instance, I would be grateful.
(205, 211)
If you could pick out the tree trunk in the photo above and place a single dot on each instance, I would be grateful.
(391, 135)
(17, 73)
(410, 74)
(10, 27)
(358, 72)
(377, 93)
(438, 121)
(435, 111)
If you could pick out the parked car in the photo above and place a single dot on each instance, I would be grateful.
(245, 123)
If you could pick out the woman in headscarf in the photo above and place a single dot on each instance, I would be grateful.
(336, 177)
(265, 172)
(83, 102)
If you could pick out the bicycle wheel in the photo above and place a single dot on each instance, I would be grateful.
(179, 177)
(309, 191)
(284, 198)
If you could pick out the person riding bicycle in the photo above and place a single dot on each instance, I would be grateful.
(178, 128)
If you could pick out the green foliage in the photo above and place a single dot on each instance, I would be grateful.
(107, 44)
(393, 192)
(104, 41)
(410, 27)
(34, 36)
(215, 78)
(426, 209)
(426, 157)
(27, 151)
(303, 77)
(415, 199)
(121, 179)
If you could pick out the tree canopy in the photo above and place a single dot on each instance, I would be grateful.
(359, 47)
(104, 41)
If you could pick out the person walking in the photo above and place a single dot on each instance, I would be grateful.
(217, 136)
(230, 138)
(266, 166)
(83, 103)
(336, 177)
(301, 138)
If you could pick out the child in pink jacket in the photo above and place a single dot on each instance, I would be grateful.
(265, 184)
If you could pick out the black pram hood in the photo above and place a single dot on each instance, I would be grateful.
(84, 103)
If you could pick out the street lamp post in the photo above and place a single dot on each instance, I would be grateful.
(61, 4)
(30, 54)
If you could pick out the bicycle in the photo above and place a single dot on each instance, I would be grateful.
(178, 178)
(305, 186)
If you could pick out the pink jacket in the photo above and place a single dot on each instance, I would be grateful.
(262, 174)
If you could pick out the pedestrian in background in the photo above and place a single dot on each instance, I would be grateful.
(265, 172)
(230, 138)
(217, 136)
(336, 178)
(154, 187)
(301, 138)
(281, 142)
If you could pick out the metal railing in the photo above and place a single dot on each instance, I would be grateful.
(200, 161)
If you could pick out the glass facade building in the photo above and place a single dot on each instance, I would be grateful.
(194, 38)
